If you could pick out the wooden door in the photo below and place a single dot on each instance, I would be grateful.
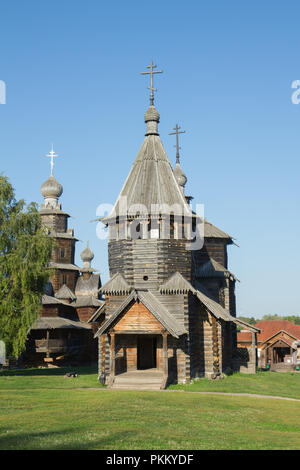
(146, 352)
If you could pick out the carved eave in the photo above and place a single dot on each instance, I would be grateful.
(117, 285)
(176, 284)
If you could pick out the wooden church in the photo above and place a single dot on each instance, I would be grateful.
(169, 313)
(64, 331)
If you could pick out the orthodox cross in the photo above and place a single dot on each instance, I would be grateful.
(177, 131)
(51, 155)
(151, 73)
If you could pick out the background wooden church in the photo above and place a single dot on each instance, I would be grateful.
(169, 312)
(64, 331)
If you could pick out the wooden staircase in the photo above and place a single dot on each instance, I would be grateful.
(149, 379)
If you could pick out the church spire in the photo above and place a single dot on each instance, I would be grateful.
(177, 131)
(51, 189)
(87, 256)
(151, 116)
(178, 172)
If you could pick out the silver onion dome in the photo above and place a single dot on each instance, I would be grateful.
(87, 255)
(51, 188)
(179, 175)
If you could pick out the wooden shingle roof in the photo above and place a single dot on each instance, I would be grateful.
(67, 266)
(151, 182)
(152, 303)
(51, 300)
(65, 293)
(88, 286)
(87, 301)
(176, 284)
(51, 323)
(211, 231)
(214, 269)
(117, 285)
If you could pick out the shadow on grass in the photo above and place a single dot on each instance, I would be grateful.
(80, 370)
(27, 441)
(23, 441)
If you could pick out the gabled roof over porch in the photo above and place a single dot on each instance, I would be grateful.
(281, 342)
(154, 306)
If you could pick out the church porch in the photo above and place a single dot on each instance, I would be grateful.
(139, 335)
(137, 359)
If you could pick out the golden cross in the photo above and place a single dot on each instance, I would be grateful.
(177, 131)
(151, 73)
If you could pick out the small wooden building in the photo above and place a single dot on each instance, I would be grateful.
(278, 344)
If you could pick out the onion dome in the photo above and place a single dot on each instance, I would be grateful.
(151, 114)
(152, 119)
(87, 255)
(51, 188)
(180, 176)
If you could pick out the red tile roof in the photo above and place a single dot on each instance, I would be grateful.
(270, 328)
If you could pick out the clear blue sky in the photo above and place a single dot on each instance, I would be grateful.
(72, 71)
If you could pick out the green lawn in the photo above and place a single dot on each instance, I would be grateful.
(283, 384)
(39, 409)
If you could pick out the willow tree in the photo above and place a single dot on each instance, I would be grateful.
(25, 251)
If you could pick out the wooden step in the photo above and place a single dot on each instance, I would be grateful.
(135, 387)
(150, 379)
(138, 380)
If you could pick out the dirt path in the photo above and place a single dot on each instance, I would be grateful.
(230, 394)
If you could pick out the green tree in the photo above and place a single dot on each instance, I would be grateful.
(249, 320)
(25, 251)
(292, 318)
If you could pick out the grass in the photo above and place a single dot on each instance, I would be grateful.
(28, 379)
(281, 384)
(39, 409)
